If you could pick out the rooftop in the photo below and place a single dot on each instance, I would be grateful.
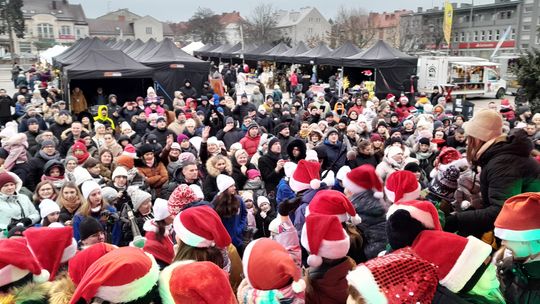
(62, 10)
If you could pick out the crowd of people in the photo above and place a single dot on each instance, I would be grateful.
(312, 198)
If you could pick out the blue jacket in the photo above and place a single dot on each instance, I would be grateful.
(236, 224)
(116, 228)
(284, 191)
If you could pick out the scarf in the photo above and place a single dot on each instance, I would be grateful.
(81, 158)
(48, 157)
(17, 154)
(423, 155)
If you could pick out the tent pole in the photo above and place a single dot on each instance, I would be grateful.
(340, 82)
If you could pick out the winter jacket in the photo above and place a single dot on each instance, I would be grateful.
(236, 224)
(242, 110)
(265, 121)
(58, 127)
(333, 156)
(156, 176)
(373, 213)
(16, 206)
(115, 235)
(232, 136)
(388, 166)
(250, 144)
(32, 143)
(284, 191)
(362, 159)
(520, 282)
(445, 296)
(271, 178)
(327, 284)
(23, 125)
(37, 165)
(263, 223)
(5, 107)
(507, 170)
(239, 177)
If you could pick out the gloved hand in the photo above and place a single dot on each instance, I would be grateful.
(263, 214)
(451, 223)
(26, 222)
(288, 206)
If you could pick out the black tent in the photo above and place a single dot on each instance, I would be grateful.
(172, 67)
(288, 56)
(135, 45)
(256, 53)
(275, 51)
(228, 54)
(247, 48)
(81, 52)
(112, 70)
(143, 49)
(336, 57)
(391, 66)
(217, 52)
(312, 56)
(76, 46)
(203, 52)
(124, 45)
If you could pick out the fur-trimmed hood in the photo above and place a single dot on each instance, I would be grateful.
(213, 171)
(59, 120)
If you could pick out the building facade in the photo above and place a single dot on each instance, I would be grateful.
(476, 30)
(303, 25)
(48, 23)
(123, 24)
(385, 26)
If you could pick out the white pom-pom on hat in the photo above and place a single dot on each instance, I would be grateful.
(315, 184)
(298, 286)
(314, 260)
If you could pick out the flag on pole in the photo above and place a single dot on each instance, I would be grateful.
(447, 23)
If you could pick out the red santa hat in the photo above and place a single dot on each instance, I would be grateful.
(448, 155)
(422, 211)
(195, 282)
(518, 219)
(122, 275)
(390, 97)
(403, 98)
(268, 265)
(332, 202)
(324, 237)
(51, 254)
(17, 261)
(130, 151)
(457, 258)
(306, 176)
(79, 264)
(201, 227)
(396, 278)
(402, 186)
(505, 104)
(363, 178)
(161, 250)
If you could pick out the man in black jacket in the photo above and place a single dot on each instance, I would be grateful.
(5, 107)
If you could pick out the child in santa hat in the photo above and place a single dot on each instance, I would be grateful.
(157, 232)
(397, 278)
(271, 275)
(327, 243)
(364, 189)
(201, 236)
(518, 227)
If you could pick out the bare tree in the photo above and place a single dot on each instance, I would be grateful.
(205, 25)
(352, 25)
(314, 40)
(261, 24)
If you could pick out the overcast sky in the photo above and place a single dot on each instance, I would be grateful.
(182, 10)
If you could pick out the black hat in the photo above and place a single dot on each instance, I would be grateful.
(424, 141)
(522, 110)
(413, 167)
(32, 120)
(161, 118)
(402, 229)
(88, 227)
(382, 123)
(3, 153)
(280, 127)
(244, 95)
(272, 142)
(143, 149)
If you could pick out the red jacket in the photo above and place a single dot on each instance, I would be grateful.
(250, 144)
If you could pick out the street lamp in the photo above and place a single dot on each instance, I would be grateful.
(121, 32)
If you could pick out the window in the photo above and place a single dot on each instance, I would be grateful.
(65, 30)
(489, 35)
(475, 36)
(78, 33)
(513, 34)
(525, 37)
(25, 47)
(483, 36)
(526, 27)
(45, 30)
(497, 34)
(527, 19)
(529, 1)
(527, 9)
(506, 14)
(461, 37)
(149, 31)
(525, 46)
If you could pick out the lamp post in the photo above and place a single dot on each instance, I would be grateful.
(121, 32)
(471, 16)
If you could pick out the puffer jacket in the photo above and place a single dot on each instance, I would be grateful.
(16, 206)
(334, 156)
(250, 144)
(373, 213)
(507, 170)
(520, 281)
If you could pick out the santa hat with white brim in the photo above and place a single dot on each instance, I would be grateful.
(422, 211)
(332, 202)
(518, 219)
(324, 237)
(363, 178)
(402, 186)
(17, 261)
(306, 176)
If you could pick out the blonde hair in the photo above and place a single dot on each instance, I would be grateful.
(85, 208)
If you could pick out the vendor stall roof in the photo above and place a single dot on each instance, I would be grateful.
(98, 64)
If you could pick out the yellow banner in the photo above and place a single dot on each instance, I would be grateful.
(447, 25)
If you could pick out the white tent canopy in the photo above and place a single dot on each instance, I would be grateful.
(47, 55)
(192, 47)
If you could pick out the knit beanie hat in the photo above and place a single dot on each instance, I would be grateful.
(160, 209)
(89, 186)
(181, 137)
(247, 195)
(445, 183)
(485, 125)
(195, 282)
(201, 227)
(518, 219)
(272, 141)
(17, 261)
(393, 151)
(324, 237)
(88, 227)
(51, 255)
(122, 275)
(396, 278)
(197, 190)
(6, 178)
(119, 171)
(81, 175)
(79, 264)
(253, 173)
(306, 176)
(181, 196)
(47, 207)
(457, 258)
(363, 178)
(109, 194)
(47, 143)
(268, 266)
(224, 182)
(125, 161)
(332, 202)
(402, 186)
(262, 200)
(129, 150)
(138, 197)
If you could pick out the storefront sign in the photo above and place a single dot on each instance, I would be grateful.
(486, 45)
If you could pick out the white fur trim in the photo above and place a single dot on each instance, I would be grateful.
(150, 226)
(245, 259)
(188, 237)
(329, 180)
(328, 249)
(69, 251)
(297, 186)
(517, 235)
(10, 274)
(409, 196)
(165, 279)
(472, 256)
(133, 290)
(351, 186)
(363, 280)
(298, 286)
(422, 216)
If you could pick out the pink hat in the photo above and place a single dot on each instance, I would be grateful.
(252, 173)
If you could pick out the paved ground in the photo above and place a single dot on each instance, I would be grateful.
(6, 83)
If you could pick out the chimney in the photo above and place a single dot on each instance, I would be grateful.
(122, 18)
